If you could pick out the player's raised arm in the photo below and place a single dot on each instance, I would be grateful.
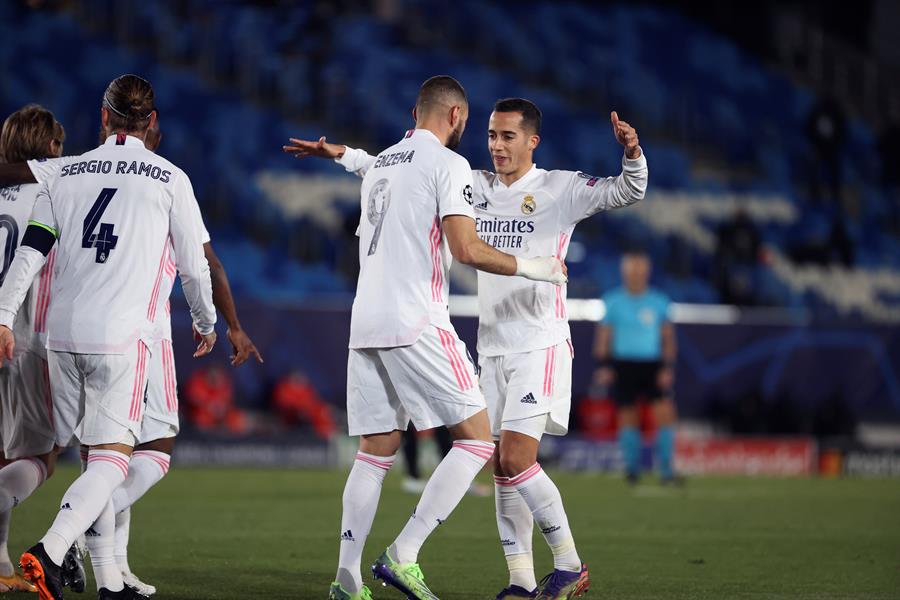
(39, 238)
(185, 224)
(587, 195)
(354, 160)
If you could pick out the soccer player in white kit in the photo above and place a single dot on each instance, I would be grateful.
(160, 425)
(524, 346)
(111, 213)
(406, 362)
(27, 444)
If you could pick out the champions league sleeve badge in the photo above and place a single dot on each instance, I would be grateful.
(468, 194)
(528, 205)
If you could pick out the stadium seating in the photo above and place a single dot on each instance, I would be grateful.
(698, 100)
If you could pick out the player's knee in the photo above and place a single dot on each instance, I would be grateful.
(49, 461)
(166, 445)
(514, 463)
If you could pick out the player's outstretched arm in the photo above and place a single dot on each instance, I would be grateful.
(241, 344)
(15, 174)
(469, 249)
(354, 160)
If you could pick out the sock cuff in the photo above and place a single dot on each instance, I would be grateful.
(109, 457)
(483, 450)
(526, 475)
(160, 459)
(382, 462)
(41, 468)
(499, 480)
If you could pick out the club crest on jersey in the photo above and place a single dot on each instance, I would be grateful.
(528, 205)
(468, 194)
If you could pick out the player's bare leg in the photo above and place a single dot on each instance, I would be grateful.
(360, 502)
(149, 464)
(517, 462)
(18, 480)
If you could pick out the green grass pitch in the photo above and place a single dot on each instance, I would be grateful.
(257, 533)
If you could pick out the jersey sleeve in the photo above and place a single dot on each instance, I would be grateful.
(186, 230)
(585, 195)
(455, 188)
(356, 161)
(42, 214)
(44, 169)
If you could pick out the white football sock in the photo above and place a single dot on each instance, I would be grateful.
(147, 468)
(361, 494)
(85, 499)
(6, 566)
(446, 487)
(18, 480)
(123, 530)
(515, 524)
(542, 497)
(101, 539)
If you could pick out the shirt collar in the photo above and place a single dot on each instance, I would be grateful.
(421, 133)
(129, 141)
(520, 182)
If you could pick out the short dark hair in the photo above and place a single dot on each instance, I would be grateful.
(531, 114)
(130, 101)
(27, 134)
(440, 90)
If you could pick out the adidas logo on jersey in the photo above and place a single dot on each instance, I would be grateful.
(528, 399)
(347, 536)
(482, 205)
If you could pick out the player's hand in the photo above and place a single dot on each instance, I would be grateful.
(320, 149)
(7, 344)
(242, 347)
(625, 135)
(545, 268)
(206, 344)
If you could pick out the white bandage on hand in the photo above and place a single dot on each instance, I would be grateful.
(545, 268)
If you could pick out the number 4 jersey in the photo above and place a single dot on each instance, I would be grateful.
(16, 204)
(114, 211)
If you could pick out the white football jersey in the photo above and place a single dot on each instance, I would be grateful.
(404, 260)
(30, 327)
(533, 217)
(115, 210)
(44, 169)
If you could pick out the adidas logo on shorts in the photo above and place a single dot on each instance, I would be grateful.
(347, 536)
(528, 399)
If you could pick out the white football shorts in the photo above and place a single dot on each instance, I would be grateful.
(519, 387)
(161, 411)
(431, 383)
(99, 398)
(26, 407)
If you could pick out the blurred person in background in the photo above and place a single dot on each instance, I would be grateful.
(296, 401)
(209, 392)
(635, 350)
(738, 244)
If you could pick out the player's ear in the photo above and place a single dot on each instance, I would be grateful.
(534, 141)
(415, 117)
(455, 115)
(152, 122)
(104, 117)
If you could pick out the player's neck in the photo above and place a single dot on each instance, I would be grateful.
(135, 134)
(441, 135)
